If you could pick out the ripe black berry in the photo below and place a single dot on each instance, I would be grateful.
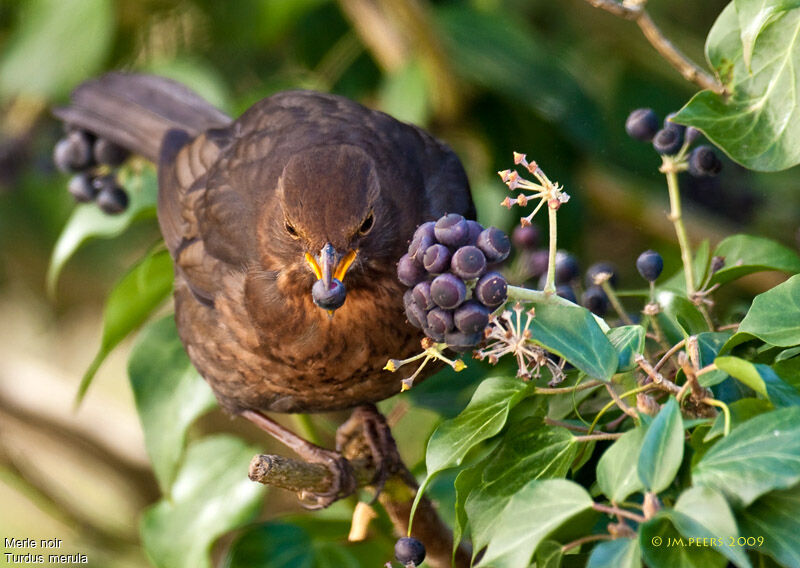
(82, 188)
(107, 152)
(415, 314)
(440, 321)
(567, 268)
(595, 300)
(704, 162)
(471, 317)
(409, 550)
(494, 243)
(408, 272)
(491, 290)
(448, 291)
(474, 229)
(423, 238)
(669, 139)
(73, 153)
(525, 238)
(650, 264)
(421, 294)
(452, 230)
(328, 298)
(566, 292)
(642, 124)
(461, 342)
(468, 262)
(436, 259)
(536, 263)
(598, 268)
(111, 198)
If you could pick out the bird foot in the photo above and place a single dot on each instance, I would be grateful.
(366, 432)
(343, 480)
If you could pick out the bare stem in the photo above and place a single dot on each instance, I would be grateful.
(725, 411)
(612, 297)
(611, 510)
(564, 390)
(676, 216)
(594, 437)
(583, 540)
(550, 286)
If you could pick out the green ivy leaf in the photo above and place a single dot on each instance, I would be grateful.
(702, 513)
(774, 520)
(628, 340)
(758, 456)
(211, 496)
(88, 221)
(55, 46)
(709, 344)
(663, 546)
(549, 554)
(774, 317)
(761, 379)
(662, 449)
(756, 124)
(526, 453)
(617, 474)
(571, 332)
(467, 480)
(683, 311)
(745, 255)
(169, 395)
(619, 553)
(129, 305)
(531, 514)
(753, 17)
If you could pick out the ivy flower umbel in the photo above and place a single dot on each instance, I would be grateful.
(545, 190)
(430, 350)
(507, 334)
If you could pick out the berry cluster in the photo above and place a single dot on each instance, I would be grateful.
(533, 262)
(452, 290)
(91, 159)
(643, 124)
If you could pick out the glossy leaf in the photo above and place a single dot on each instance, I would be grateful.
(169, 395)
(571, 332)
(56, 45)
(761, 379)
(663, 546)
(756, 125)
(774, 316)
(272, 545)
(531, 514)
(709, 345)
(617, 474)
(758, 456)
(683, 311)
(745, 254)
(549, 554)
(662, 449)
(774, 520)
(130, 303)
(754, 16)
(619, 553)
(89, 222)
(628, 340)
(211, 496)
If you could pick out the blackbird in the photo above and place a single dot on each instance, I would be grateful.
(303, 187)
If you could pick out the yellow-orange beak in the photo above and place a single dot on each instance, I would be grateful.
(330, 264)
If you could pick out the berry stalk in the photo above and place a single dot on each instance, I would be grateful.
(550, 286)
(676, 216)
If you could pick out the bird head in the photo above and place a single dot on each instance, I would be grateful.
(332, 217)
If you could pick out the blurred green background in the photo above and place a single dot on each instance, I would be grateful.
(554, 80)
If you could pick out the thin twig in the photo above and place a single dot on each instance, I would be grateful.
(622, 405)
(670, 352)
(611, 510)
(596, 437)
(564, 390)
(583, 540)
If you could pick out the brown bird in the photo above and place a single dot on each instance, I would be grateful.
(302, 187)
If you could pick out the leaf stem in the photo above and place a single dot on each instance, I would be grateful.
(550, 286)
(593, 437)
(725, 411)
(611, 510)
(612, 297)
(583, 540)
(676, 216)
(564, 390)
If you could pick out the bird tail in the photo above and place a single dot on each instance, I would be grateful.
(136, 111)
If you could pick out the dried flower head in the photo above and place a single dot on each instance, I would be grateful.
(545, 191)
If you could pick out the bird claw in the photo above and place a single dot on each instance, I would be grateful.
(343, 481)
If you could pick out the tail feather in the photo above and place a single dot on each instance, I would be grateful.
(136, 111)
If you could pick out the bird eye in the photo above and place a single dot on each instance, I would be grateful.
(290, 229)
(366, 224)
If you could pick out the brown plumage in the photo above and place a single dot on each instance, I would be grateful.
(240, 204)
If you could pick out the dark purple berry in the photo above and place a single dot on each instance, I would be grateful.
(440, 321)
(461, 342)
(691, 135)
(422, 239)
(421, 294)
(468, 263)
(436, 259)
(668, 122)
(448, 291)
(669, 139)
(595, 300)
(536, 263)
(415, 315)
(598, 268)
(409, 550)
(491, 290)
(567, 268)
(642, 124)
(650, 264)
(704, 162)
(328, 298)
(475, 229)
(408, 272)
(408, 297)
(566, 292)
(73, 153)
(452, 230)
(525, 237)
(82, 188)
(111, 198)
(471, 317)
(107, 152)
(495, 244)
